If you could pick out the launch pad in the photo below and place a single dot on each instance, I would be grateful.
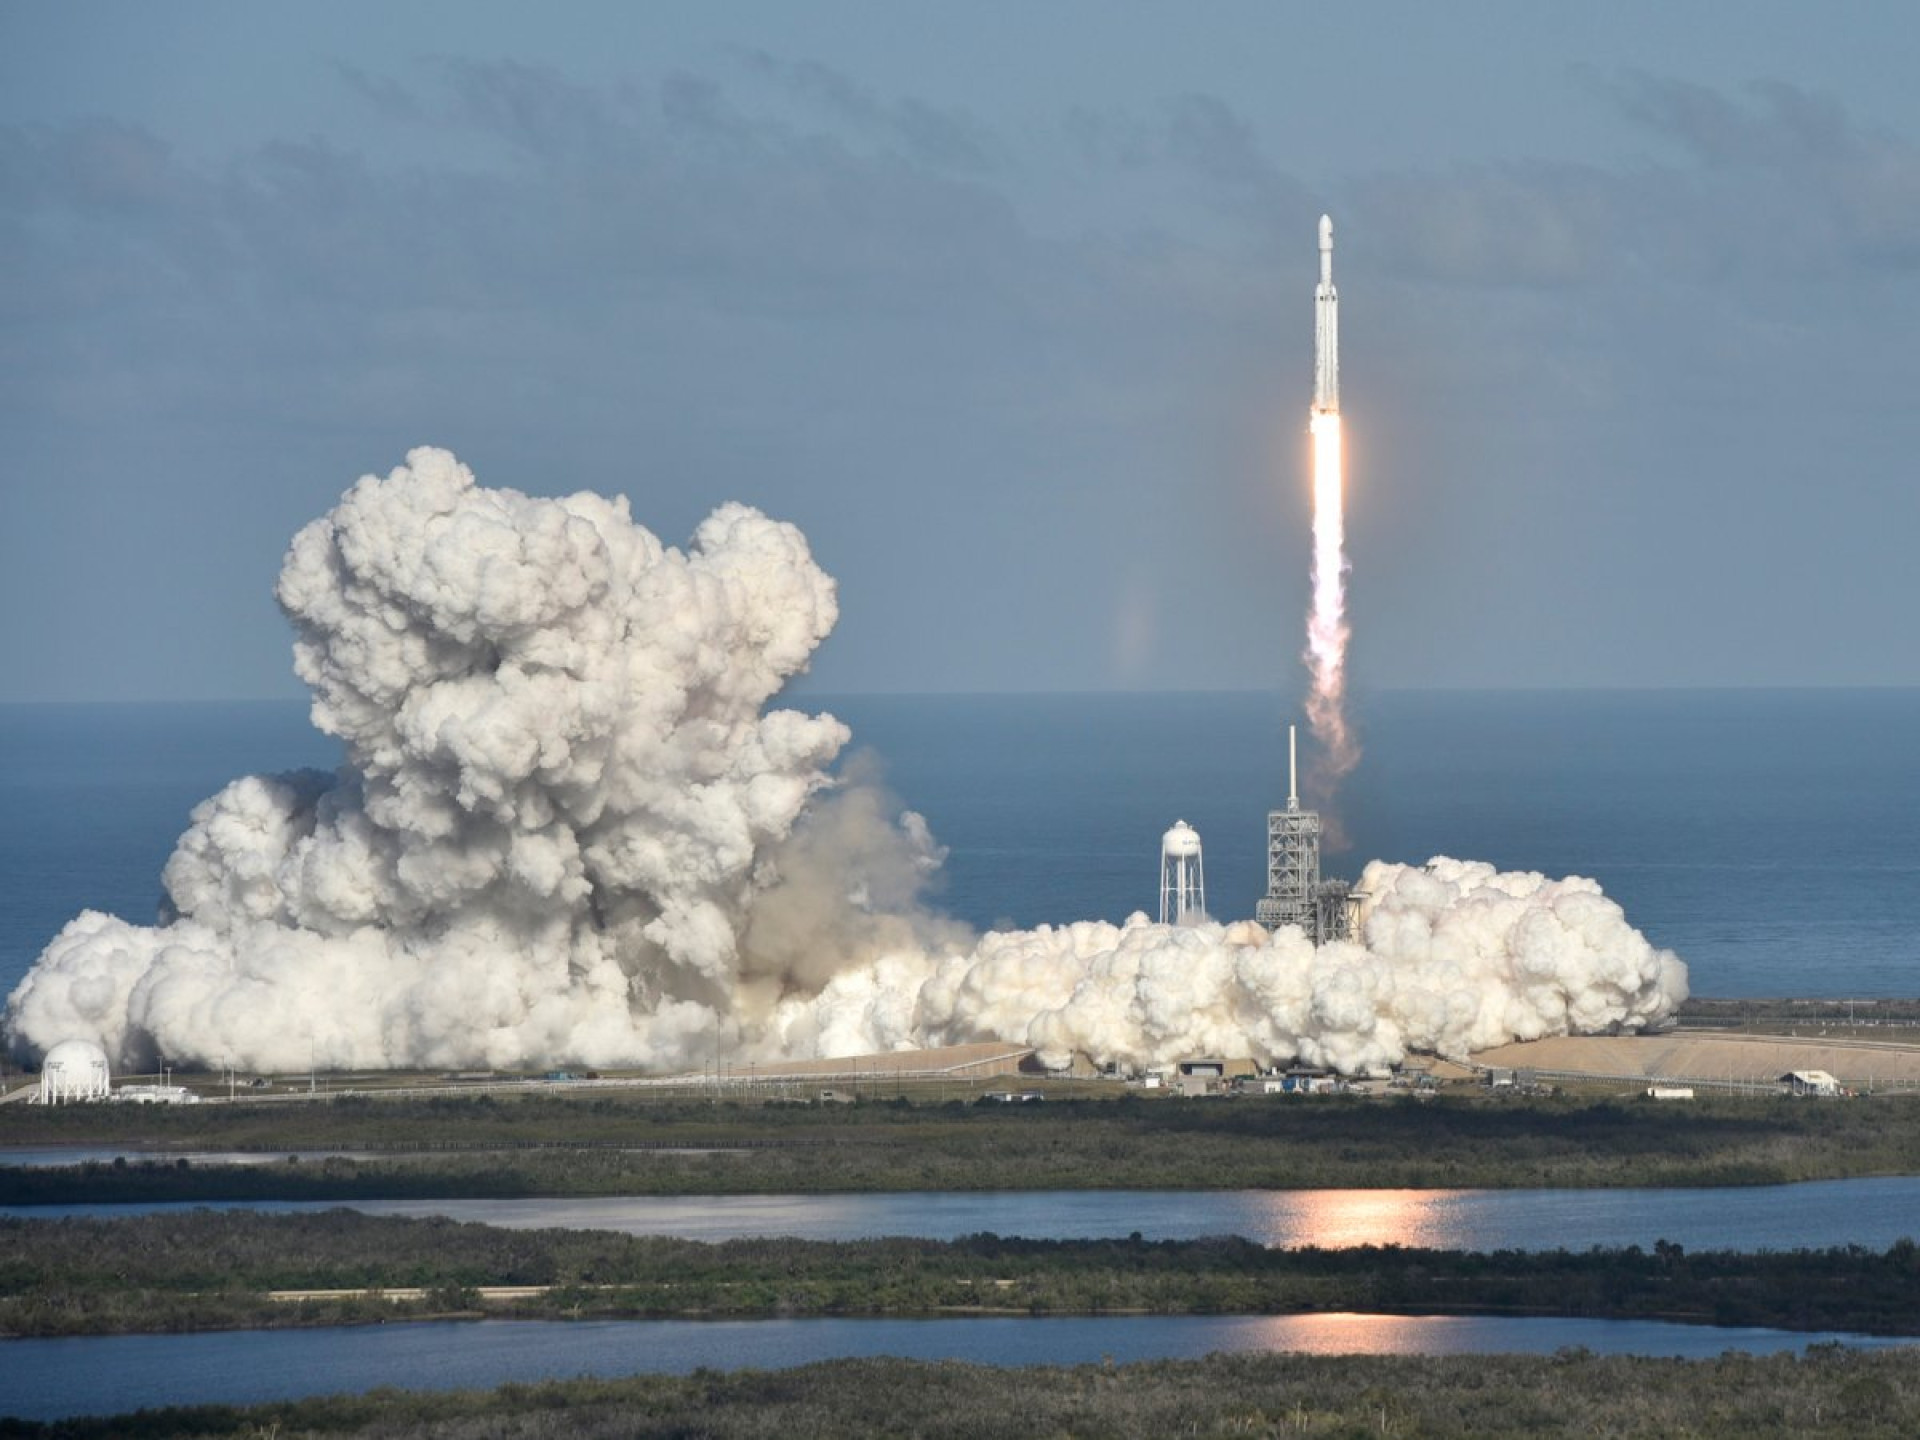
(1296, 895)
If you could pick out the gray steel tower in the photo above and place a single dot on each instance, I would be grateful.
(1293, 859)
(1296, 895)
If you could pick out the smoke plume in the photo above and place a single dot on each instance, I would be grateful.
(1327, 630)
(569, 830)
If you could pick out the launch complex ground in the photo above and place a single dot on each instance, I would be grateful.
(1567, 1113)
(1726, 1047)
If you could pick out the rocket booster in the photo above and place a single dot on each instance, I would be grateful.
(1326, 330)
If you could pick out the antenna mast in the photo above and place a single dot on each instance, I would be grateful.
(1293, 769)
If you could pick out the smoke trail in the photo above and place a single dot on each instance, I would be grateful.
(1327, 632)
(569, 830)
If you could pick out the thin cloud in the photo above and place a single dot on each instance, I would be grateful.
(940, 136)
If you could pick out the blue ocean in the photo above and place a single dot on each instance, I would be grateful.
(1771, 838)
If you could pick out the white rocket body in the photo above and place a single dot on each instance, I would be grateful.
(1326, 330)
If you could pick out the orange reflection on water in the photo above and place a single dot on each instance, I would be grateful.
(1340, 1219)
(1343, 1333)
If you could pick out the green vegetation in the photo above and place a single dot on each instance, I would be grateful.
(201, 1270)
(1828, 1392)
(613, 1145)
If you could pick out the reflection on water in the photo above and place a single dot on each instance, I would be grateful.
(1873, 1212)
(1342, 1219)
(48, 1379)
(1351, 1334)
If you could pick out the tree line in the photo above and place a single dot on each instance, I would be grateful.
(1465, 1141)
(205, 1270)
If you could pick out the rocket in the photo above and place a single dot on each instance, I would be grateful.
(1326, 330)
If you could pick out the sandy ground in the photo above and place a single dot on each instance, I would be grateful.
(1718, 1059)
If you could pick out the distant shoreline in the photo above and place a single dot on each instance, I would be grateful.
(203, 1270)
(636, 1143)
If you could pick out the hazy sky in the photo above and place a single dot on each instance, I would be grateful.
(1007, 305)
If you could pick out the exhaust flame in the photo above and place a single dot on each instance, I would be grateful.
(1327, 631)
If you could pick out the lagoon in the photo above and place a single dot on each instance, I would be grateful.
(1873, 1212)
(51, 1379)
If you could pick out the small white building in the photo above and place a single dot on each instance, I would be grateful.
(74, 1070)
(155, 1095)
(1810, 1082)
(1206, 1075)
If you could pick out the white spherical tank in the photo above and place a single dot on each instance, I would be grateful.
(1182, 840)
(74, 1070)
(1183, 890)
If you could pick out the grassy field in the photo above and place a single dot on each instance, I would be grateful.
(221, 1270)
(1828, 1392)
(616, 1144)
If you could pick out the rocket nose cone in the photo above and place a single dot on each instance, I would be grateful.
(1326, 232)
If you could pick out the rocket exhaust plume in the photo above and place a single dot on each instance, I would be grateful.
(572, 825)
(1327, 623)
(1327, 631)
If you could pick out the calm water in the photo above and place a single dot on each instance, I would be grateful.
(1771, 837)
(1777, 1217)
(48, 1379)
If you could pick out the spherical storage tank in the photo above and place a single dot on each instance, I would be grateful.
(1182, 840)
(73, 1070)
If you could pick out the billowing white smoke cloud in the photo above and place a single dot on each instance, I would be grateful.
(569, 830)
(1457, 958)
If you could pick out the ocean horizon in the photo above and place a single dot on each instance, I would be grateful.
(1770, 837)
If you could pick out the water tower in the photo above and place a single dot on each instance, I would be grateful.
(1183, 888)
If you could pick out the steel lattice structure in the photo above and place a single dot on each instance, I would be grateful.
(1296, 895)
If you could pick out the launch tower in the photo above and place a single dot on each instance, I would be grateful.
(1296, 895)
